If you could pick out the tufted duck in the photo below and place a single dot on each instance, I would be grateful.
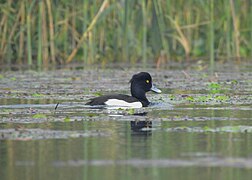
(140, 84)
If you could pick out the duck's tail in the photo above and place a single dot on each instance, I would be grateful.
(56, 106)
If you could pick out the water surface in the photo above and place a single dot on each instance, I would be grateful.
(199, 127)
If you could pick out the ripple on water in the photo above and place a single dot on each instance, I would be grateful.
(161, 163)
(24, 134)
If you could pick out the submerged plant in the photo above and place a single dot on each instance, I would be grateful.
(190, 98)
(131, 111)
(98, 94)
(207, 98)
(37, 95)
(221, 98)
(204, 98)
(214, 88)
(39, 116)
(172, 97)
(67, 119)
(13, 78)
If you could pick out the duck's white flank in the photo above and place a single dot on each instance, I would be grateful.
(122, 103)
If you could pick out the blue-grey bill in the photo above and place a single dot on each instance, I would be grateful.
(155, 89)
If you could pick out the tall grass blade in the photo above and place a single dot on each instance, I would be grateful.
(39, 55)
(161, 26)
(236, 29)
(29, 8)
(211, 35)
(125, 50)
(45, 53)
(144, 34)
(51, 30)
(22, 35)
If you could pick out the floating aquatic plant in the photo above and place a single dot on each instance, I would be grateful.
(37, 95)
(207, 98)
(214, 88)
(67, 119)
(39, 116)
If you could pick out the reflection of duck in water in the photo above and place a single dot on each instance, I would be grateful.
(139, 125)
(140, 84)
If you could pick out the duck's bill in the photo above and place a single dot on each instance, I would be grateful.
(155, 89)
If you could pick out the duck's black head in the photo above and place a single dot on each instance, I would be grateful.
(140, 84)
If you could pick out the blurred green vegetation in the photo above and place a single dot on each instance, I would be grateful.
(45, 32)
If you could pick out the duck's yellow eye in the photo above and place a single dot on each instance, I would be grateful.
(147, 81)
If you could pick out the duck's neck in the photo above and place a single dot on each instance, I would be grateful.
(140, 95)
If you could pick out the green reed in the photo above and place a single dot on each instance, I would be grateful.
(46, 32)
(144, 31)
(211, 35)
(39, 55)
(28, 32)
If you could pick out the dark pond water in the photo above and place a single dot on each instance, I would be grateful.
(200, 127)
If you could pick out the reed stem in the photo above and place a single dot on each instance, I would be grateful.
(211, 35)
(236, 30)
(29, 39)
(51, 30)
(144, 34)
(125, 32)
(39, 55)
(161, 26)
(22, 35)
